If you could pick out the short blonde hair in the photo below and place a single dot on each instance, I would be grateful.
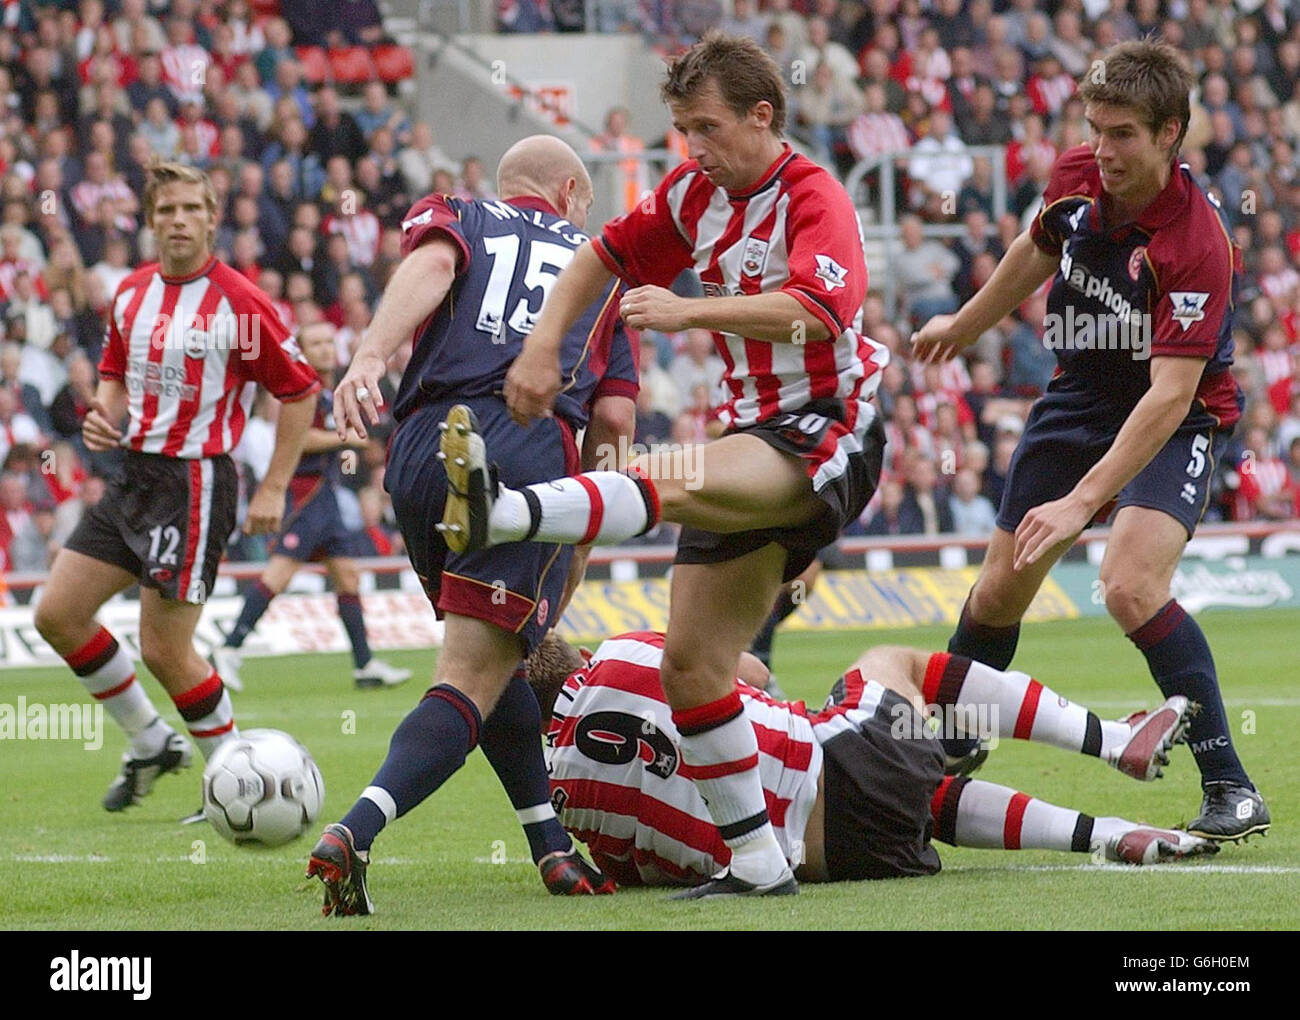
(162, 173)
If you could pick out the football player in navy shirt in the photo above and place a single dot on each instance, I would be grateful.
(1139, 313)
(471, 284)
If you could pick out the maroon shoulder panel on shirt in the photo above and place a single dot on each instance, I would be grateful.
(1193, 260)
(1074, 173)
(430, 217)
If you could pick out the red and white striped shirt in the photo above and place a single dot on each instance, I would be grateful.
(619, 784)
(189, 351)
(795, 232)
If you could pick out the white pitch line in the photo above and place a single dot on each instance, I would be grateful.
(1123, 869)
(1128, 869)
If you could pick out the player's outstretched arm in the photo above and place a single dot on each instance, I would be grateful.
(1146, 429)
(100, 428)
(1022, 271)
(776, 317)
(534, 378)
(415, 290)
(267, 505)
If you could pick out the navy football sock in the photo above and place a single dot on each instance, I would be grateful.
(1181, 663)
(355, 624)
(426, 748)
(993, 646)
(255, 603)
(512, 743)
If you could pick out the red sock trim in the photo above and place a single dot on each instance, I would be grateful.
(943, 808)
(91, 650)
(1028, 709)
(1159, 627)
(718, 771)
(194, 695)
(934, 670)
(1015, 819)
(200, 734)
(648, 487)
(690, 721)
(113, 692)
(467, 709)
(597, 510)
(854, 686)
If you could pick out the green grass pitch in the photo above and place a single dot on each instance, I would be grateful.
(459, 860)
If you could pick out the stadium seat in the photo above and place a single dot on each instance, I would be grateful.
(394, 63)
(351, 65)
(315, 63)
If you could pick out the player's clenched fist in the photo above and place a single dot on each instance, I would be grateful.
(99, 433)
(532, 384)
(654, 308)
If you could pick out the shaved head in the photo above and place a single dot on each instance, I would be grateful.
(546, 167)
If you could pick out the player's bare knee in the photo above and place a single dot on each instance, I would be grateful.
(895, 667)
(1131, 601)
(54, 622)
(668, 476)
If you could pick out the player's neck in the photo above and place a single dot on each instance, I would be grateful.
(769, 153)
(1128, 209)
(175, 269)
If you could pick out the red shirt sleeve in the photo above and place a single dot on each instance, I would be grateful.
(647, 245)
(1070, 179)
(828, 273)
(275, 360)
(622, 376)
(435, 216)
(1194, 297)
(112, 362)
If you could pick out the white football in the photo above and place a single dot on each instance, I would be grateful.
(263, 788)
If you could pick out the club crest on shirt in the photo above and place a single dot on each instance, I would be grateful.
(830, 272)
(755, 257)
(195, 343)
(1189, 306)
(1135, 262)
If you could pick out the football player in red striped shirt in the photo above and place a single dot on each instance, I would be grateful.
(853, 791)
(186, 335)
(774, 242)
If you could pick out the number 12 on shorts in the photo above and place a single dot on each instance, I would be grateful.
(163, 543)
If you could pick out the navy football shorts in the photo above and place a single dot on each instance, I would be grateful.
(1068, 432)
(879, 776)
(518, 585)
(165, 520)
(313, 528)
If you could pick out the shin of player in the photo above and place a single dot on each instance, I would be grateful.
(164, 521)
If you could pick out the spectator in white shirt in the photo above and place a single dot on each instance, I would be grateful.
(972, 513)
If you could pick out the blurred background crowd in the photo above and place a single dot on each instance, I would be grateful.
(297, 110)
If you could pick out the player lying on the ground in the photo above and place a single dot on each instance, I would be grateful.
(314, 529)
(854, 791)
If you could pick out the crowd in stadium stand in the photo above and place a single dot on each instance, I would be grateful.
(315, 162)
